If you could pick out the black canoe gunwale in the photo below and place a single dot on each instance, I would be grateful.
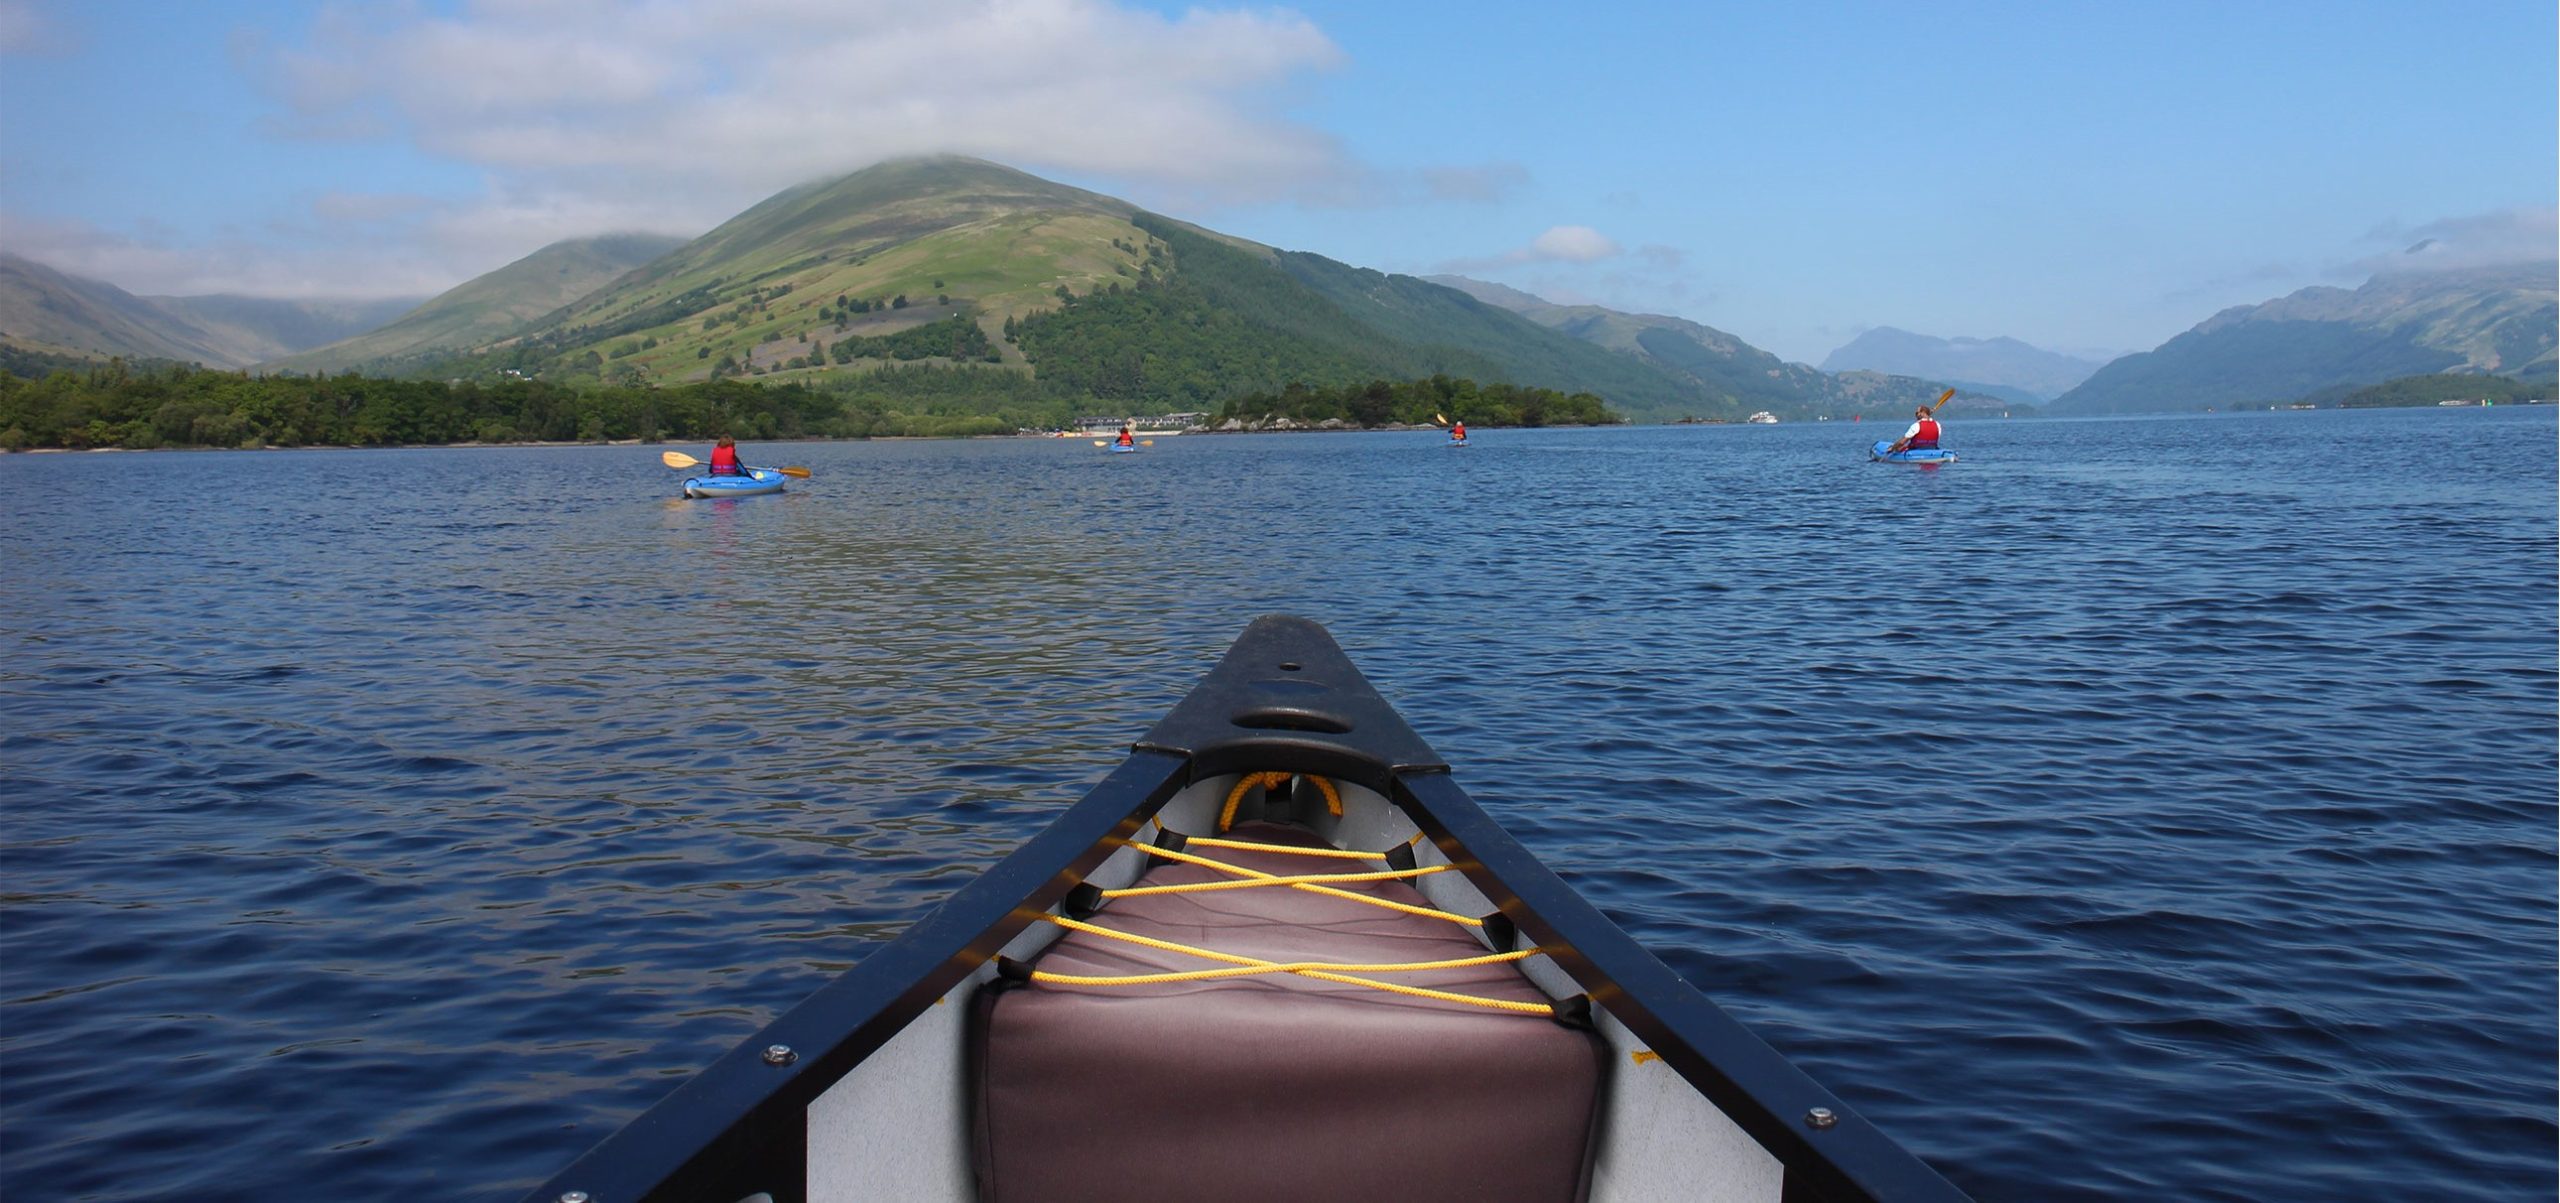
(1286, 698)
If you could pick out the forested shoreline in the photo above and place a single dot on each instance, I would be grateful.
(174, 406)
(1433, 401)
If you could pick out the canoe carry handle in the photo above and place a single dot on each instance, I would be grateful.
(1291, 718)
(1285, 697)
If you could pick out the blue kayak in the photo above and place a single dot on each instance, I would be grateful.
(757, 480)
(1117, 449)
(1934, 455)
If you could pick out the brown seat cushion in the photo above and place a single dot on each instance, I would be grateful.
(1277, 1086)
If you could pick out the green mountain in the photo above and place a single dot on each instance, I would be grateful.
(2001, 367)
(2490, 320)
(958, 261)
(488, 307)
(47, 313)
(1732, 375)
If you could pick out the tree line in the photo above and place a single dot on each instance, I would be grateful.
(1415, 402)
(118, 405)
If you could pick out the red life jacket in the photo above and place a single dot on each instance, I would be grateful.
(1458, 431)
(724, 462)
(1927, 438)
(1125, 439)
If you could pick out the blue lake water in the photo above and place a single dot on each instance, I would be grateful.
(2155, 808)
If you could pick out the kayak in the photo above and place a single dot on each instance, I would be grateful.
(1935, 455)
(1117, 449)
(757, 480)
(1277, 953)
(1457, 442)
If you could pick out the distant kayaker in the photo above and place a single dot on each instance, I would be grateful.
(1128, 437)
(1457, 432)
(724, 458)
(1923, 435)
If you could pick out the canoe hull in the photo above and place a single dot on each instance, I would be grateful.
(867, 1097)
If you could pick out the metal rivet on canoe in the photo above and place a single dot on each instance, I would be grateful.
(779, 1054)
(1821, 1117)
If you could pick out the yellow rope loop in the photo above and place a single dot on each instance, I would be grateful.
(1227, 814)
(1250, 883)
(1327, 974)
(1311, 887)
(1332, 796)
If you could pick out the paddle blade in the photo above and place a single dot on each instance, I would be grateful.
(1942, 399)
(677, 459)
(1442, 419)
(1100, 443)
(802, 473)
(1146, 442)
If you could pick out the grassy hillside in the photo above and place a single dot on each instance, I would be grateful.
(488, 307)
(830, 282)
(1462, 336)
(1104, 306)
(874, 253)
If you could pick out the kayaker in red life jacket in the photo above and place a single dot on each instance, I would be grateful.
(1923, 435)
(1457, 432)
(1128, 437)
(724, 459)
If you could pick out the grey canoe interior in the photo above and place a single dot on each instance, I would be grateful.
(1131, 1008)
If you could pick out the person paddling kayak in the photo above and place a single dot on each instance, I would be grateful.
(724, 458)
(1457, 432)
(1923, 435)
(1128, 437)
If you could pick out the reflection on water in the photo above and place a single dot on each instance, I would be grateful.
(2137, 807)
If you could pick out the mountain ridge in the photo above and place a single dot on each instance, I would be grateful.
(489, 306)
(2492, 320)
(46, 310)
(1719, 364)
(2000, 365)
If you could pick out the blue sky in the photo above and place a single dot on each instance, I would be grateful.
(2091, 178)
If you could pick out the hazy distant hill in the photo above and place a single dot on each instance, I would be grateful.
(43, 306)
(2491, 320)
(50, 312)
(488, 307)
(1722, 367)
(2001, 367)
(253, 329)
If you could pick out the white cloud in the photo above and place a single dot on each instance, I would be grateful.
(1573, 244)
(25, 31)
(2530, 234)
(586, 117)
(718, 103)
(1559, 244)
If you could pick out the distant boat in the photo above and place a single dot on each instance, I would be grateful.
(1763, 418)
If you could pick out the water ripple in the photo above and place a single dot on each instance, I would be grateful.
(2141, 808)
